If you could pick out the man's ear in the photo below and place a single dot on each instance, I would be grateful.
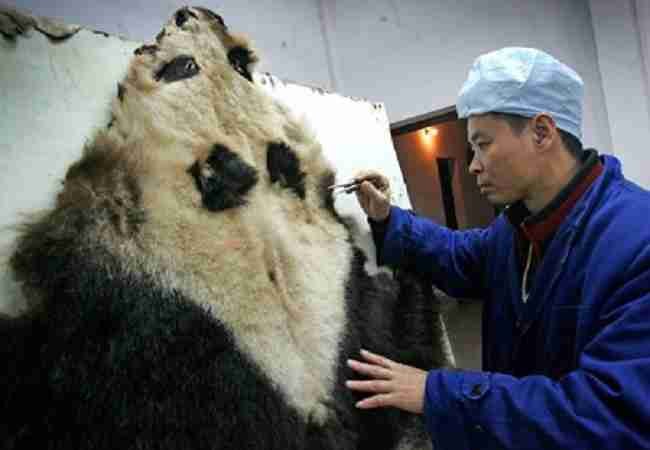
(544, 129)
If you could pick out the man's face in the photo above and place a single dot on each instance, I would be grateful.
(503, 161)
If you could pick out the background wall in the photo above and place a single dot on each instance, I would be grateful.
(417, 153)
(413, 55)
(622, 32)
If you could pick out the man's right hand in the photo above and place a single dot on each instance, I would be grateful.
(374, 195)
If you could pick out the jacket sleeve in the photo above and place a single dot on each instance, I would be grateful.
(604, 403)
(452, 260)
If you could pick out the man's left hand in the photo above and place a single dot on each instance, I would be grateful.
(393, 384)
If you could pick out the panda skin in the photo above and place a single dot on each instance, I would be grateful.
(194, 287)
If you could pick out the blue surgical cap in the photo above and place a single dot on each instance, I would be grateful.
(525, 82)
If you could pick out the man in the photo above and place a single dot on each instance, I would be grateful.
(564, 274)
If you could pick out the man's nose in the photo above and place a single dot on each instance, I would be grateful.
(475, 167)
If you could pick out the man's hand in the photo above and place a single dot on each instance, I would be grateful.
(393, 384)
(374, 195)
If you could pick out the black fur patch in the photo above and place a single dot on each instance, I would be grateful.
(120, 91)
(382, 313)
(223, 179)
(179, 68)
(284, 168)
(213, 15)
(325, 193)
(146, 49)
(183, 15)
(240, 58)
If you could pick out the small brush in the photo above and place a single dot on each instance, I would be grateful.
(345, 188)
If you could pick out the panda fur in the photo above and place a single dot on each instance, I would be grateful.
(194, 287)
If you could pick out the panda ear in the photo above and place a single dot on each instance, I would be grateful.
(223, 179)
(242, 59)
(183, 15)
(212, 15)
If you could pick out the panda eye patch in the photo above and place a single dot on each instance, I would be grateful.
(179, 68)
(223, 179)
(284, 168)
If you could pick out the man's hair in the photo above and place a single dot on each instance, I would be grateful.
(518, 123)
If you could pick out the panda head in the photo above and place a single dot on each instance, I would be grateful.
(228, 185)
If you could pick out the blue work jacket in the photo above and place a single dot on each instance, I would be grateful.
(589, 386)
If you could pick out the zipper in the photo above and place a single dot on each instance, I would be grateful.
(525, 293)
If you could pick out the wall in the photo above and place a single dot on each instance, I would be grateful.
(412, 55)
(416, 53)
(642, 9)
(418, 163)
(621, 32)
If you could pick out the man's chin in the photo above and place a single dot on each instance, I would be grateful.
(492, 198)
(496, 200)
